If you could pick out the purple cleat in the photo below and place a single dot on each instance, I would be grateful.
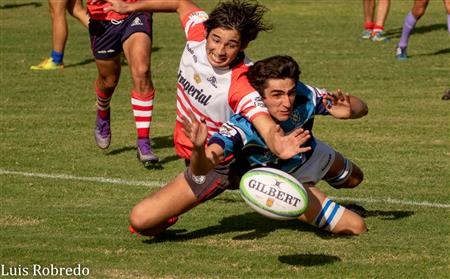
(145, 153)
(102, 131)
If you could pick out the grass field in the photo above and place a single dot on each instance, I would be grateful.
(65, 202)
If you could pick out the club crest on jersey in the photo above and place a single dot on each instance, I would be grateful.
(197, 78)
(200, 179)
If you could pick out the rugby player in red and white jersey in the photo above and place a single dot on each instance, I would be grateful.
(212, 84)
(111, 34)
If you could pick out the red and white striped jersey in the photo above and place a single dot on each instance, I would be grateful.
(210, 92)
(96, 11)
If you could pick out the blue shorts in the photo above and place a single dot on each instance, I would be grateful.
(107, 36)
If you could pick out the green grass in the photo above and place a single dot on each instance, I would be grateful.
(50, 213)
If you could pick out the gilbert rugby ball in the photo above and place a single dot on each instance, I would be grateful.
(273, 193)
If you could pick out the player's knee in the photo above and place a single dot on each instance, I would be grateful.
(140, 72)
(355, 179)
(350, 176)
(139, 219)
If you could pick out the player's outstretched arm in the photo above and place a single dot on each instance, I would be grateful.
(203, 159)
(345, 106)
(182, 7)
(283, 146)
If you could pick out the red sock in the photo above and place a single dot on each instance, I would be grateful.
(142, 110)
(369, 25)
(378, 28)
(103, 101)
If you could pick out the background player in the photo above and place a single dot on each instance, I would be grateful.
(292, 104)
(111, 34)
(60, 31)
(418, 10)
(374, 24)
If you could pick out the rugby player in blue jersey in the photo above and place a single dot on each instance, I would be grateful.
(293, 105)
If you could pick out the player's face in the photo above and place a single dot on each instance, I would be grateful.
(279, 97)
(222, 46)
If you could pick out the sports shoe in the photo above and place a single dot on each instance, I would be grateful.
(400, 53)
(102, 131)
(48, 64)
(145, 153)
(379, 37)
(134, 232)
(366, 35)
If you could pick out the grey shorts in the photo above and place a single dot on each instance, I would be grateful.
(317, 165)
(108, 36)
(223, 177)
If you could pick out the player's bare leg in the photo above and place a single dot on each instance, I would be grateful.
(330, 216)
(150, 216)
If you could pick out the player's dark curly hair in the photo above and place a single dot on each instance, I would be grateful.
(274, 67)
(244, 16)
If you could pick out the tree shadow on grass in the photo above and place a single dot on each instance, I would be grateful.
(308, 259)
(397, 32)
(13, 6)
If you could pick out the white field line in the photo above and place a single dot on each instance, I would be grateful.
(85, 178)
(160, 183)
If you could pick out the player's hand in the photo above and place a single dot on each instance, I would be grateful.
(290, 145)
(196, 131)
(118, 6)
(338, 104)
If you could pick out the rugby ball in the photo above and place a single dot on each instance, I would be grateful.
(273, 193)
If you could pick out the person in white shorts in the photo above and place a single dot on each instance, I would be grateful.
(292, 104)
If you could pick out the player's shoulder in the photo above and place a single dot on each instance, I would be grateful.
(193, 24)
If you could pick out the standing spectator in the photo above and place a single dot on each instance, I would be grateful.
(60, 30)
(418, 10)
(111, 34)
(374, 26)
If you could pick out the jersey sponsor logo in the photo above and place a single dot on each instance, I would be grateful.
(227, 131)
(212, 80)
(198, 17)
(191, 51)
(106, 51)
(192, 91)
(136, 21)
(258, 102)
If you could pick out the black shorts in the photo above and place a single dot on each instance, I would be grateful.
(223, 177)
(107, 36)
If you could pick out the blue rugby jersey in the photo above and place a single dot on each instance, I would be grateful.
(239, 136)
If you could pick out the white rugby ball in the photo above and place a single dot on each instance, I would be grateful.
(273, 193)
